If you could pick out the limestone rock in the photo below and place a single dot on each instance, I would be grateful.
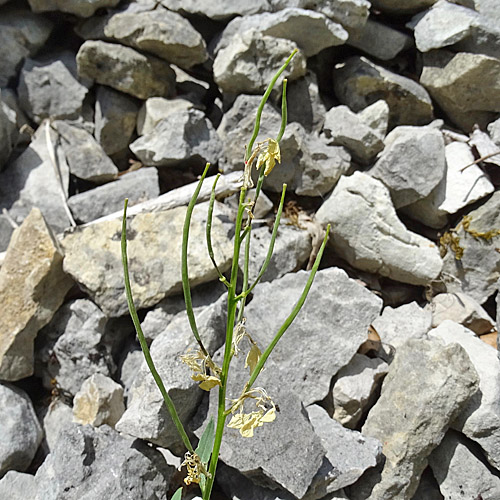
(22, 34)
(146, 416)
(82, 8)
(352, 14)
(8, 131)
(293, 24)
(479, 419)
(376, 116)
(155, 109)
(137, 186)
(485, 146)
(477, 272)
(397, 7)
(17, 485)
(93, 257)
(115, 119)
(348, 454)
(222, 10)
(57, 420)
(21, 431)
(73, 347)
(400, 419)
(160, 32)
(369, 235)
(332, 299)
(125, 69)
(100, 463)
(32, 265)
(30, 181)
(358, 83)
(355, 388)
(398, 324)
(451, 79)
(249, 61)
(412, 163)
(99, 401)
(462, 309)
(86, 158)
(345, 128)
(179, 138)
(50, 88)
(459, 471)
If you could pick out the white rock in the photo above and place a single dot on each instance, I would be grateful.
(155, 109)
(376, 116)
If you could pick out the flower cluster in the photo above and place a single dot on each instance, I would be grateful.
(195, 468)
(199, 362)
(268, 157)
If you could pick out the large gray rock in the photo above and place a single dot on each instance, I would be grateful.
(479, 419)
(30, 181)
(345, 128)
(17, 486)
(86, 158)
(293, 24)
(22, 34)
(460, 472)
(50, 88)
(181, 138)
(8, 131)
(342, 311)
(115, 119)
(451, 79)
(477, 272)
(358, 83)
(32, 267)
(100, 463)
(249, 61)
(93, 257)
(397, 7)
(57, 419)
(221, 10)
(154, 109)
(137, 186)
(352, 14)
(412, 163)
(161, 32)
(82, 8)
(146, 416)
(73, 347)
(125, 69)
(401, 419)
(369, 235)
(21, 431)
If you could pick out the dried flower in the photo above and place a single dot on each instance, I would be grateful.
(195, 468)
(269, 157)
(199, 363)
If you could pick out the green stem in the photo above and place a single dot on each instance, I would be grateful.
(284, 112)
(144, 346)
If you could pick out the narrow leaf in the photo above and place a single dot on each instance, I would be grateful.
(204, 449)
(177, 495)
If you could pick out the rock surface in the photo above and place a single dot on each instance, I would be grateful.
(83, 8)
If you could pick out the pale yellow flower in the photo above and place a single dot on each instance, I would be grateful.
(269, 157)
(195, 468)
(199, 363)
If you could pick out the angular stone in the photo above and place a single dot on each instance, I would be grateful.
(412, 163)
(369, 235)
(332, 299)
(494, 131)
(219, 11)
(30, 181)
(72, 347)
(115, 119)
(22, 34)
(477, 272)
(155, 109)
(398, 324)
(146, 416)
(86, 158)
(57, 420)
(161, 32)
(249, 61)
(8, 131)
(93, 256)
(479, 419)
(292, 249)
(358, 83)
(462, 309)
(352, 14)
(82, 8)
(379, 40)
(376, 116)
(138, 186)
(398, 7)
(182, 137)
(293, 24)
(348, 454)
(485, 146)
(98, 402)
(451, 79)
(32, 265)
(459, 471)
(125, 69)
(100, 463)
(21, 431)
(345, 128)
(17, 485)
(355, 388)
(400, 419)
(50, 88)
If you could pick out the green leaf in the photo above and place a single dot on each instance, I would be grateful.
(177, 495)
(204, 449)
